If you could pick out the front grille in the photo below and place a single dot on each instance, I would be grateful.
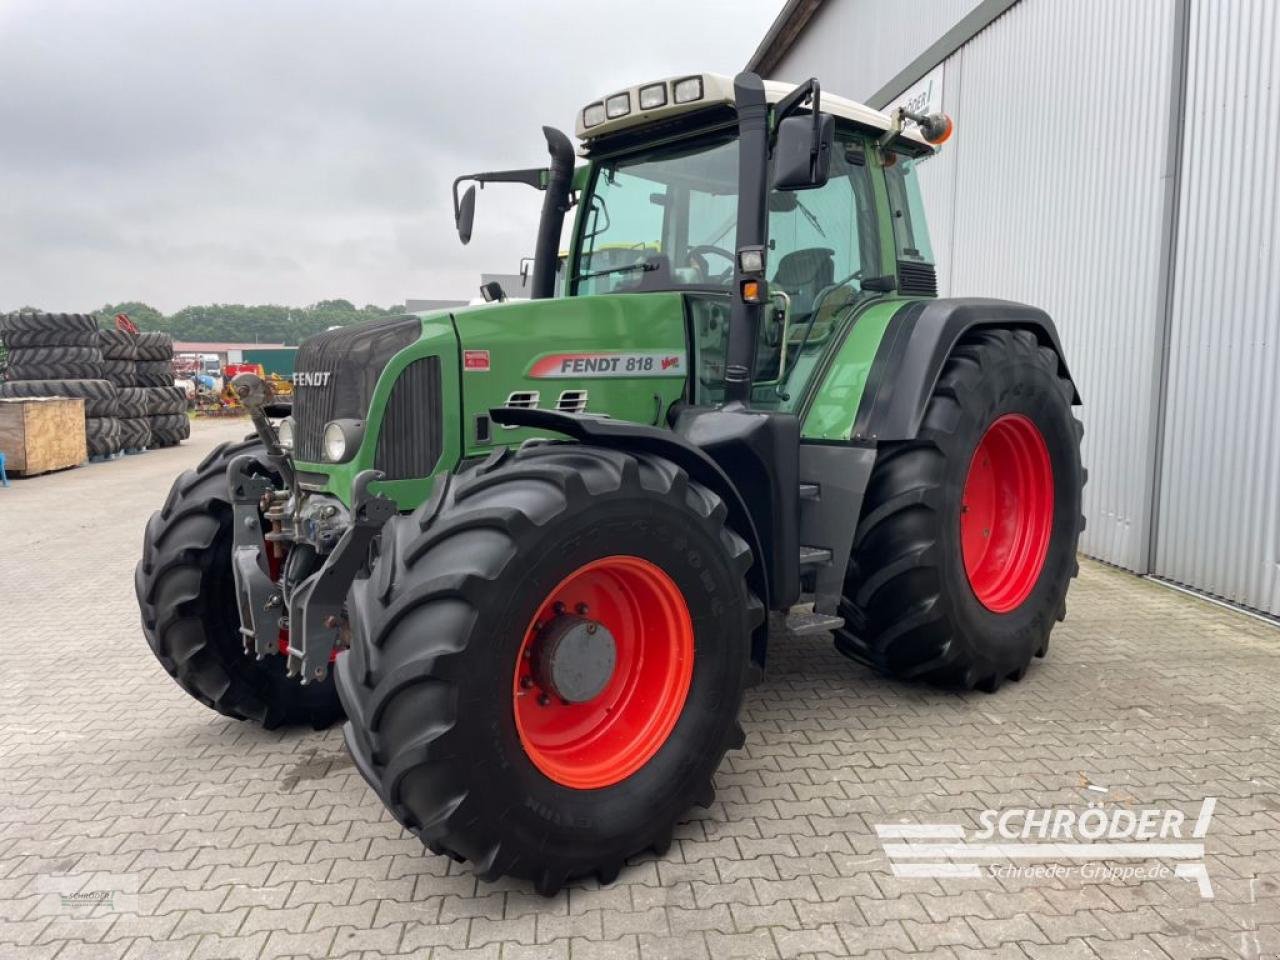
(411, 437)
(920, 279)
(353, 357)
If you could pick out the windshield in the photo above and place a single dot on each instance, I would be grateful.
(662, 219)
(666, 219)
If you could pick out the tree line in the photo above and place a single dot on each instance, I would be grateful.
(238, 323)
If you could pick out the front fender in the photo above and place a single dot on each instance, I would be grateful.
(624, 435)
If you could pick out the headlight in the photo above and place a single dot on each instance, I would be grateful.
(653, 96)
(617, 106)
(284, 433)
(688, 90)
(335, 443)
(593, 115)
(341, 438)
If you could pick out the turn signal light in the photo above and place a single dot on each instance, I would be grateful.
(937, 128)
(751, 291)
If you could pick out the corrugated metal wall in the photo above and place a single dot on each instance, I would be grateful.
(1219, 507)
(1049, 209)
(860, 45)
(1057, 190)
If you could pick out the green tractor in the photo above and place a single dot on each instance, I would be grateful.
(529, 549)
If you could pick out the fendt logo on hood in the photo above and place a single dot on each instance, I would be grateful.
(311, 378)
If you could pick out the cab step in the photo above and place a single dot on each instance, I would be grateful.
(803, 621)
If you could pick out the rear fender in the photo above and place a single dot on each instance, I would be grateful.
(915, 347)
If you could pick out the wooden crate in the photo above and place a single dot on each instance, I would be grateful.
(39, 434)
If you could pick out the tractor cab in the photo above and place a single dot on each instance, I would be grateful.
(656, 210)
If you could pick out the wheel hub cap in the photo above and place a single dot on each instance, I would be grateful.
(603, 672)
(574, 658)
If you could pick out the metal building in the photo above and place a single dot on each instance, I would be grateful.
(1115, 164)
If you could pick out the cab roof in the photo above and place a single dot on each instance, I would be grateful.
(715, 90)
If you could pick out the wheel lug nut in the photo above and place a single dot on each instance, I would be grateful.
(543, 700)
(558, 607)
(582, 609)
(526, 682)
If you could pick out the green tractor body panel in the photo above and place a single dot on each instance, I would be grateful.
(627, 352)
(438, 340)
(838, 394)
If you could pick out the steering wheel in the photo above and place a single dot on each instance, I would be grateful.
(704, 248)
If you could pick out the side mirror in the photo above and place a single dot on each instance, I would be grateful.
(466, 214)
(526, 269)
(802, 153)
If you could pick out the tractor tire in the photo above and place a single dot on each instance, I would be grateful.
(32, 322)
(25, 339)
(132, 402)
(186, 592)
(152, 380)
(446, 720)
(62, 370)
(36, 356)
(153, 366)
(119, 372)
(100, 396)
(154, 346)
(162, 400)
(135, 433)
(169, 439)
(967, 541)
(102, 435)
(169, 429)
(117, 345)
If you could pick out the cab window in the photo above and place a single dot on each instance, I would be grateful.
(910, 228)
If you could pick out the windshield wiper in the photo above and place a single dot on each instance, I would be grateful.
(625, 268)
(811, 218)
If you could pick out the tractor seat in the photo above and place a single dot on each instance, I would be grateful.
(831, 303)
(803, 274)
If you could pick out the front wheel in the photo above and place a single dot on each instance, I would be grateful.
(186, 593)
(548, 659)
(967, 541)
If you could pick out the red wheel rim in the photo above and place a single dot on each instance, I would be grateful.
(606, 739)
(1006, 514)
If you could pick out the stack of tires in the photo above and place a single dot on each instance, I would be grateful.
(166, 405)
(57, 355)
(120, 366)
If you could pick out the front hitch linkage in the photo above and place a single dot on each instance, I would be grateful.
(316, 619)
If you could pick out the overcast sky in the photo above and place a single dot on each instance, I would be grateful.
(290, 151)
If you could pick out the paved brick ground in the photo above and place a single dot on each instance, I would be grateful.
(217, 840)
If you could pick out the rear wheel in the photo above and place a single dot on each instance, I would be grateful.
(967, 541)
(548, 659)
(186, 591)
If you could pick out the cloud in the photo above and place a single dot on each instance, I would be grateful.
(288, 151)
